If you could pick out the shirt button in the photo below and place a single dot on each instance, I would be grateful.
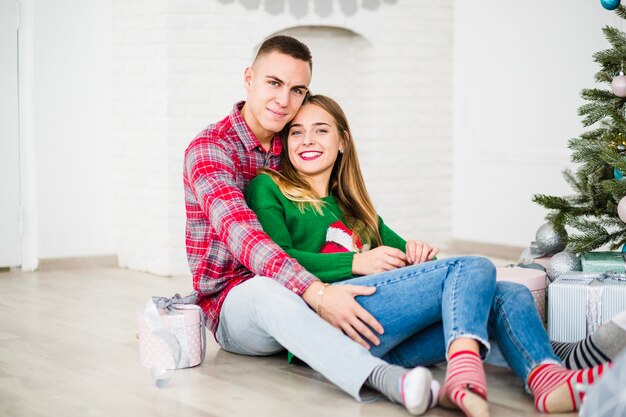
(294, 289)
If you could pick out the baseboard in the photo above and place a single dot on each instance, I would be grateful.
(491, 250)
(81, 262)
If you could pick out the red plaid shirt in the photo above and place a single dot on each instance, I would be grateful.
(225, 242)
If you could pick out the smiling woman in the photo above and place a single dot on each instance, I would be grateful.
(322, 160)
(314, 143)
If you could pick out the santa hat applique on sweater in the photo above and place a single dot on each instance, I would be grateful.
(339, 239)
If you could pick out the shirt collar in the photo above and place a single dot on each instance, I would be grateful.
(246, 135)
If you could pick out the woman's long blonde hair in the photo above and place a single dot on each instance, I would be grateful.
(346, 181)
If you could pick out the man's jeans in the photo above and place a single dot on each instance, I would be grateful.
(422, 308)
(261, 317)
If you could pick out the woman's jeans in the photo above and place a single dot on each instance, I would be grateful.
(422, 308)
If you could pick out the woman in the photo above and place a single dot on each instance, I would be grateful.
(318, 210)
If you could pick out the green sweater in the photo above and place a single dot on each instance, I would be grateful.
(304, 235)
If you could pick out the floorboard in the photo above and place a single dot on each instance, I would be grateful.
(68, 348)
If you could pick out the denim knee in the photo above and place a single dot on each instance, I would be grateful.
(483, 268)
(513, 292)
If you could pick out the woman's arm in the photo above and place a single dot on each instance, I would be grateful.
(416, 250)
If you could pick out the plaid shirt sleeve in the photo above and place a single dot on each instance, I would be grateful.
(211, 172)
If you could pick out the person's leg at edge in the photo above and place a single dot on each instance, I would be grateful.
(261, 317)
(601, 346)
(517, 328)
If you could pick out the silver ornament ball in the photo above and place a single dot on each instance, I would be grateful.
(561, 263)
(550, 240)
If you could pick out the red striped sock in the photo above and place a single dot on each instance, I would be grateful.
(544, 381)
(465, 373)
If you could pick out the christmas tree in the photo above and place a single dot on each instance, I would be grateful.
(600, 154)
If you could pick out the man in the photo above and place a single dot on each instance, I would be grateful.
(257, 299)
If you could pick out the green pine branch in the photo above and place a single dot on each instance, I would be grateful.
(621, 11)
(592, 210)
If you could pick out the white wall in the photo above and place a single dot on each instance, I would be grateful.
(71, 112)
(178, 66)
(519, 68)
(518, 71)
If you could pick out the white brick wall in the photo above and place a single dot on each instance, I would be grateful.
(179, 67)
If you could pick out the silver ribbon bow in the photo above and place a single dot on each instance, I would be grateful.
(595, 290)
(166, 303)
(530, 253)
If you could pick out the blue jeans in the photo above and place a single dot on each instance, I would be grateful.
(424, 307)
(262, 317)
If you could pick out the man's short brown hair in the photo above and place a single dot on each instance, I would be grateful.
(288, 46)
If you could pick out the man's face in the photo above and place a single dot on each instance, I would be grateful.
(276, 86)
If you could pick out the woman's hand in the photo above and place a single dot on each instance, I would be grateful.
(380, 259)
(418, 251)
(340, 309)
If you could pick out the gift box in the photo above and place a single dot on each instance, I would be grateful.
(579, 302)
(542, 260)
(171, 333)
(604, 262)
(534, 279)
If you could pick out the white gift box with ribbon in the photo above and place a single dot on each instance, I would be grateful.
(171, 335)
(580, 302)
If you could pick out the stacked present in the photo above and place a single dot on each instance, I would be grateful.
(584, 291)
(580, 301)
(534, 279)
(604, 262)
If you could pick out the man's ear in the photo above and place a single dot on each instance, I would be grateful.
(247, 78)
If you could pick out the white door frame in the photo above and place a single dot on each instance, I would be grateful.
(10, 222)
(28, 172)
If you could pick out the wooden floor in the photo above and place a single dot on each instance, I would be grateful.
(68, 348)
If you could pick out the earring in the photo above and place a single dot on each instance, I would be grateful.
(341, 151)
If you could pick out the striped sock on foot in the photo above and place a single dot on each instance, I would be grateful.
(557, 389)
(465, 386)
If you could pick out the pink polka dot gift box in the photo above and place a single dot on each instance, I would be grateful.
(171, 333)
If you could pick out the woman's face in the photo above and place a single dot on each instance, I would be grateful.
(314, 142)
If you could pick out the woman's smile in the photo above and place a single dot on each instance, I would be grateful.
(310, 155)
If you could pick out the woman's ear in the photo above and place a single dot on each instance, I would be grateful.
(345, 139)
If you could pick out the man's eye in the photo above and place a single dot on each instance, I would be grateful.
(297, 91)
(273, 83)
